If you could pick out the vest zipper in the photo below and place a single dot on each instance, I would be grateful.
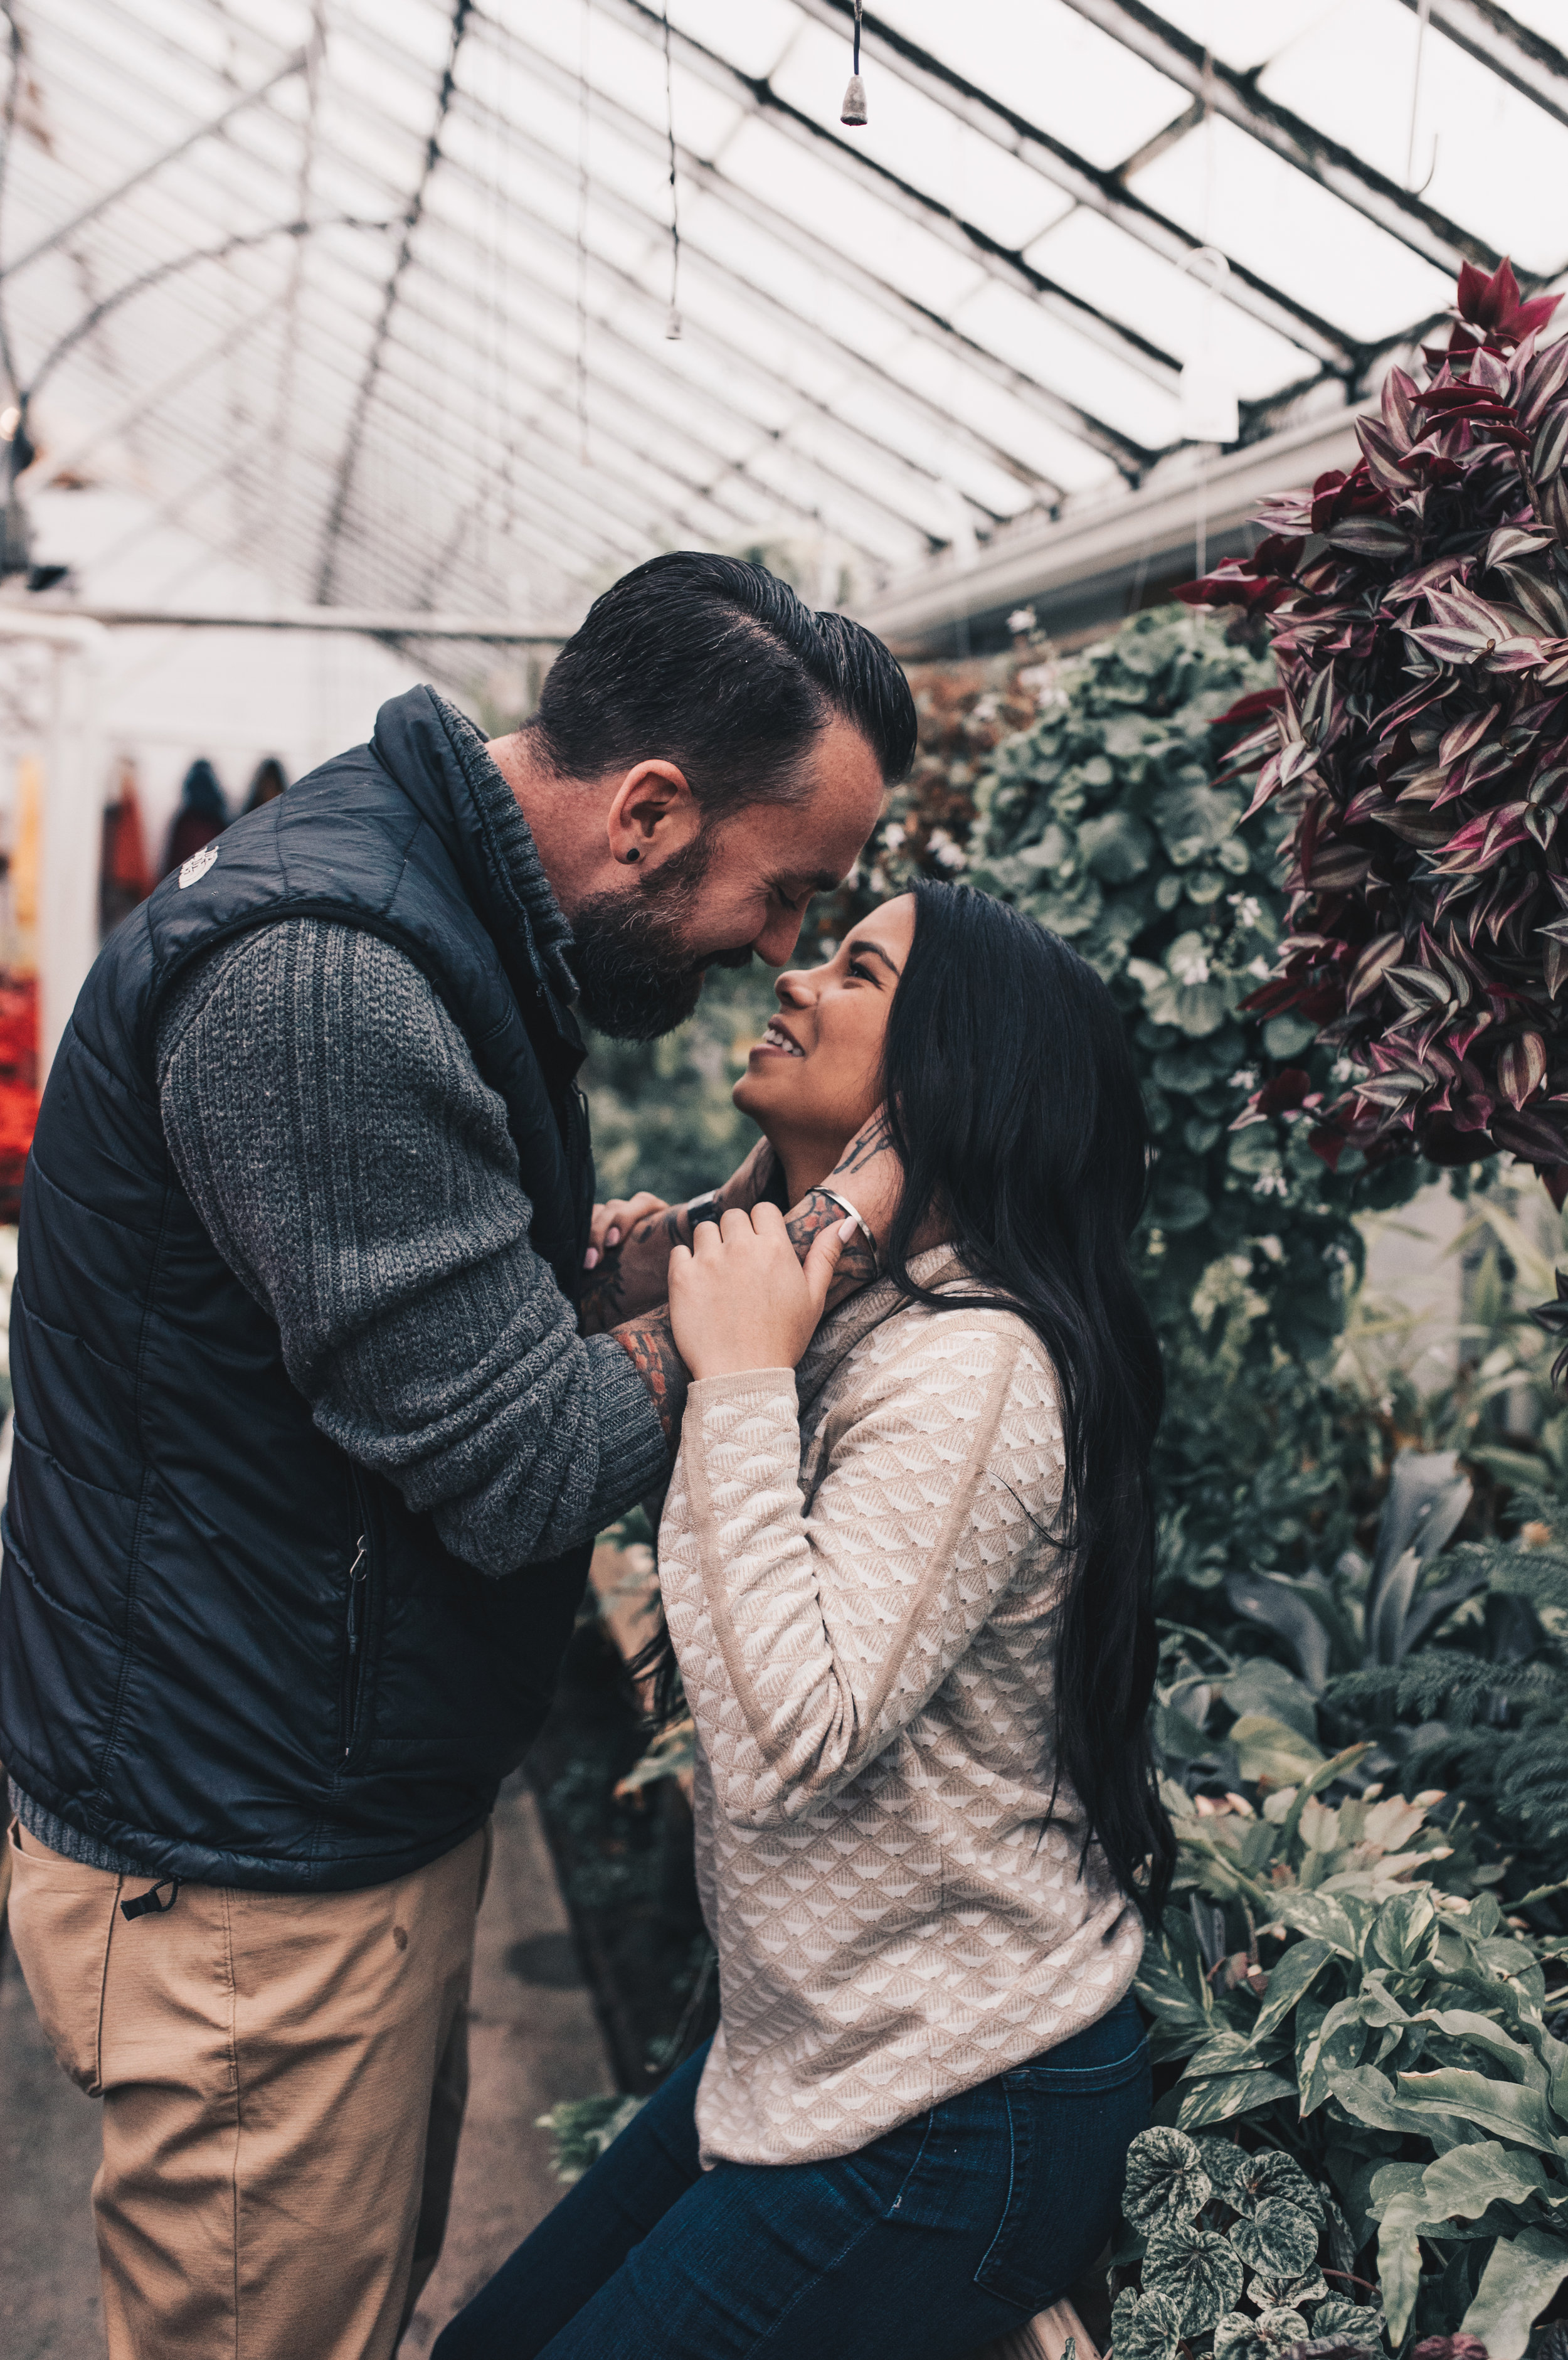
(357, 1624)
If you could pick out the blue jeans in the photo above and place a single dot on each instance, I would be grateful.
(951, 2229)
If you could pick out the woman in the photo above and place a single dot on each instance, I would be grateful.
(906, 1568)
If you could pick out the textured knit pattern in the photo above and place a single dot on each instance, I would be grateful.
(865, 1609)
(355, 1172)
(327, 1121)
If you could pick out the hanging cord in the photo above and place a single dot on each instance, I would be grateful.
(1423, 17)
(583, 128)
(853, 110)
(672, 325)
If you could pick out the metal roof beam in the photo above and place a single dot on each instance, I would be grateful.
(649, 363)
(546, 539)
(1236, 98)
(349, 460)
(752, 425)
(344, 261)
(144, 172)
(1001, 263)
(1066, 416)
(804, 244)
(1504, 46)
(1056, 162)
(557, 400)
(556, 519)
(1129, 456)
(367, 621)
(734, 353)
(150, 398)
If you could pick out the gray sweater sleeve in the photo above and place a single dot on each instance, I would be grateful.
(325, 1116)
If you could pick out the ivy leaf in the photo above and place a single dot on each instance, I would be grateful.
(1365, 2095)
(1273, 2174)
(1239, 2337)
(1319, 1916)
(1217, 2099)
(1340, 2316)
(1502, 2106)
(1519, 2281)
(1225, 2164)
(1279, 2240)
(1165, 2181)
(1145, 2327)
(1196, 2269)
(1294, 1975)
(1277, 2294)
(1398, 2274)
(1467, 2178)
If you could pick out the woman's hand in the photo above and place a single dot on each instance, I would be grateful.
(738, 1298)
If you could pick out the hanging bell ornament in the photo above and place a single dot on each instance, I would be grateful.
(672, 327)
(854, 111)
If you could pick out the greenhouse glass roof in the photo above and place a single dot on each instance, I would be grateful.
(376, 295)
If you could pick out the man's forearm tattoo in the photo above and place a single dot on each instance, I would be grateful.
(650, 1340)
(651, 1344)
(815, 1212)
(634, 1275)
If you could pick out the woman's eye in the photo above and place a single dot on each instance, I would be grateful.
(859, 966)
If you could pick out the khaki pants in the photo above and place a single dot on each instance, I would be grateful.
(283, 2080)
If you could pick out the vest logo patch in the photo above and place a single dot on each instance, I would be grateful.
(196, 868)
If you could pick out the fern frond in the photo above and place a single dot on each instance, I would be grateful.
(1443, 1681)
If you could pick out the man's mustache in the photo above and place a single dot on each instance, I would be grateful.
(738, 957)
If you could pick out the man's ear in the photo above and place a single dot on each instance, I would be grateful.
(652, 814)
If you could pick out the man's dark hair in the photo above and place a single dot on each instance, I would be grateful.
(716, 665)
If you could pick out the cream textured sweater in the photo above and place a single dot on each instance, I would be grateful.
(865, 1616)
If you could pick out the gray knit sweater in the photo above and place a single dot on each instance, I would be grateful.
(327, 1121)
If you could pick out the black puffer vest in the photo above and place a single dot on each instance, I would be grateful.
(225, 1650)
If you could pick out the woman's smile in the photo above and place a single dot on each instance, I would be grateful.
(777, 1042)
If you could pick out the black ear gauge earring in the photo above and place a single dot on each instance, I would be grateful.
(634, 855)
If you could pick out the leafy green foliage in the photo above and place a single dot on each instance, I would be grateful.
(1352, 2027)
(1486, 1710)
(1226, 2253)
(582, 2128)
(1111, 819)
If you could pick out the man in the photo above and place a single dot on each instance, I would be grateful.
(310, 1448)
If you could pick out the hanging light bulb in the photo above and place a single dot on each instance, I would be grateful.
(853, 110)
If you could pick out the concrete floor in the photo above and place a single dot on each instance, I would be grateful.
(533, 2040)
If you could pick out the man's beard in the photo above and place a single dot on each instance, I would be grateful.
(636, 974)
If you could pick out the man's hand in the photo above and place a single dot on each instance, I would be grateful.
(867, 1175)
(613, 1222)
(739, 1298)
(631, 1238)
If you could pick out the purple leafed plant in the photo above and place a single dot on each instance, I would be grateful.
(1419, 741)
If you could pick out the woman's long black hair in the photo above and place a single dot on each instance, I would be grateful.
(1013, 1104)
